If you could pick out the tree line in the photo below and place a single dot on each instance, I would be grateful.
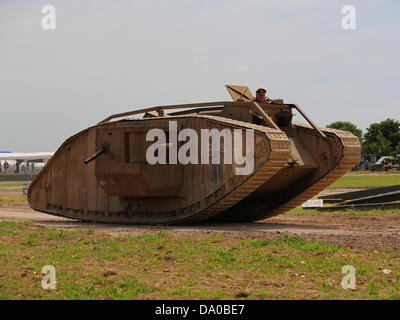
(382, 139)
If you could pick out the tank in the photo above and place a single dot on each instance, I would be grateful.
(227, 161)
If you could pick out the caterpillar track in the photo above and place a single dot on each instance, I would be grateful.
(107, 173)
(258, 211)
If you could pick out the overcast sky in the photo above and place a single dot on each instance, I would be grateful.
(108, 57)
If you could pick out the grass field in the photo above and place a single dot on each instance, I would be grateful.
(366, 181)
(92, 265)
(391, 171)
(19, 200)
(11, 194)
(10, 184)
(164, 266)
(345, 212)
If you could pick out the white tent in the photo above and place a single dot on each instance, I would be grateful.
(26, 156)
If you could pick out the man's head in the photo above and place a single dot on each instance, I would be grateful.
(260, 95)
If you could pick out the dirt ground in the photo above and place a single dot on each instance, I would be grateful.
(340, 228)
(373, 232)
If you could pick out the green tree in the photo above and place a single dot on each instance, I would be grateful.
(382, 138)
(347, 126)
(397, 150)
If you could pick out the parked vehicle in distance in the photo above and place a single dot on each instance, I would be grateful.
(387, 161)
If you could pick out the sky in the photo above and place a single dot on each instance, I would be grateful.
(107, 57)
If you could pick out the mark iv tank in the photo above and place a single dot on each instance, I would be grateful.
(103, 173)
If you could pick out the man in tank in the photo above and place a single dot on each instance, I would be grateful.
(261, 96)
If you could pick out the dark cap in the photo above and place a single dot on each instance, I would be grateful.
(261, 90)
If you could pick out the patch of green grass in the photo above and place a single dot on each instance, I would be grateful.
(9, 228)
(365, 172)
(57, 235)
(126, 289)
(309, 246)
(373, 289)
(345, 212)
(154, 238)
(215, 239)
(259, 242)
(15, 196)
(326, 286)
(223, 256)
(13, 184)
(372, 212)
(13, 199)
(92, 265)
(366, 181)
(4, 225)
(263, 295)
(189, 282)
(4, 190)
(32, 240)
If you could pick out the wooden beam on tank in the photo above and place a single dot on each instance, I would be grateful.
(161, 108)
(195, 111)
